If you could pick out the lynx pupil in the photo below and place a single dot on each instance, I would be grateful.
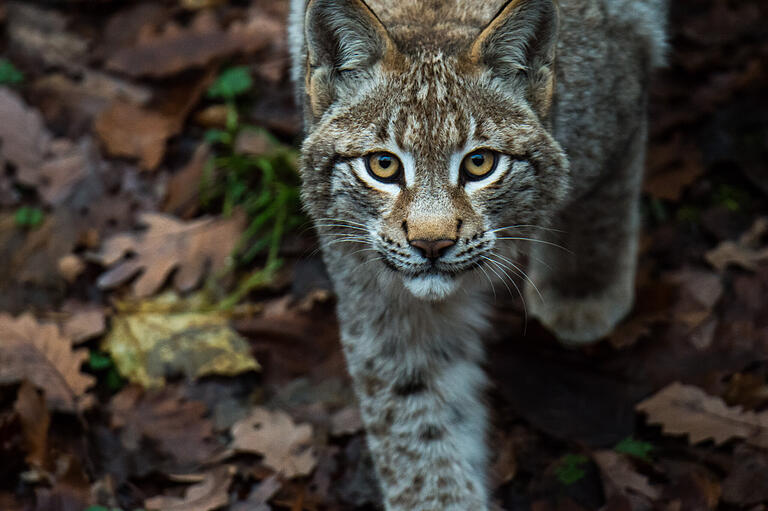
(478, 160)
(385, 161)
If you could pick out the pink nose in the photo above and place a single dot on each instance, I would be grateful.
(432, 249)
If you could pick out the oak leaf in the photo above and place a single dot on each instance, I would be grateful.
(211, 493)
(155, 338)
(132, 131)
(40, 354)
(167, 244)
(687, 410)
(285, 446)
(176, 428)
(176, 48)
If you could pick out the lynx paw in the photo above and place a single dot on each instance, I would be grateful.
(579, 321)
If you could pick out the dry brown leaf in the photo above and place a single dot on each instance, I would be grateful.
(211, 493)
(745, 253)
(285, 446)
(83, 322)
(41, 34)
(179, 48)
(39, 354)
(176, 427)
(169, 243)
(687, 410)
(55, 178)
(35, 421)
(132, 131)
(621, 478)
(24, 139)
(183, 192)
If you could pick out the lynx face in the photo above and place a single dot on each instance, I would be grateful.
(416, 162)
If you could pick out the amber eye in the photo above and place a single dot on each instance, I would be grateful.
(383, 166)
(478, 164)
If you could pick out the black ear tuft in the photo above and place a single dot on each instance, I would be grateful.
(519, 45)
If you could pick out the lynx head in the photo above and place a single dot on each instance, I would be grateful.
(421, 147)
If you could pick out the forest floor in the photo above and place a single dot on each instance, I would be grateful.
(158, 139)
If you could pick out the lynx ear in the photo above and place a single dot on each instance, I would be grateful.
(518, 46)
(344, 40)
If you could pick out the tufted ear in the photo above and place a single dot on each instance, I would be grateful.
(518, 46)
(344, 40)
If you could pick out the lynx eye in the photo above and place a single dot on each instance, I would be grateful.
(479, 164)
(383, 166)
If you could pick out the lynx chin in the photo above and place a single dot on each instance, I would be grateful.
(447, 142)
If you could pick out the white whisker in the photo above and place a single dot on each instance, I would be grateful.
(520, 238)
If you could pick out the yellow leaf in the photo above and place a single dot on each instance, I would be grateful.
(152, 339)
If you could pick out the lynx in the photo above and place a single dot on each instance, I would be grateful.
(447, 141)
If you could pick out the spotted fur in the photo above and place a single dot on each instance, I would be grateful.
(559, 90)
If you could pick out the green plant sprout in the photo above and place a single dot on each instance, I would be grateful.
(635, 448)
(28, 217)
(9, 75)
(570, 468)
(264, 186)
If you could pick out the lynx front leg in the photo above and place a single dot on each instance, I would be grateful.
(587, 286)
(425, 419)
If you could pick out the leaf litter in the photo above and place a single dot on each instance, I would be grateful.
(104, 160)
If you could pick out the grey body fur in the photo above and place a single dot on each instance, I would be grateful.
(562, 100)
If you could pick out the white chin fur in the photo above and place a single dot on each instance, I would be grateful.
(431, 287)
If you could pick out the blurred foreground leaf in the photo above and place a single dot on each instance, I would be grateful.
(156, 338)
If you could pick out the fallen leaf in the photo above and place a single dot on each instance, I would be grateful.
(747, 482)
(687, 410)
(62, 171)
(40, 354)
(24, 139)
(176, 48)
(152, 339)
(35, 421)
(211, 493)
(696, 489)
(41, 34)
(83, 322)
(183, 192)
(745, 253)
(620, 477)
(699, 292)
(132, 131)
(748, 390)
(169, 243)
(346, 421)
(177, 428)
(285, 446)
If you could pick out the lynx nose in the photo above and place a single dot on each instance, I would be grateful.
(432, 249)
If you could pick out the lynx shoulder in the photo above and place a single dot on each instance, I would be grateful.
(446, 144)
